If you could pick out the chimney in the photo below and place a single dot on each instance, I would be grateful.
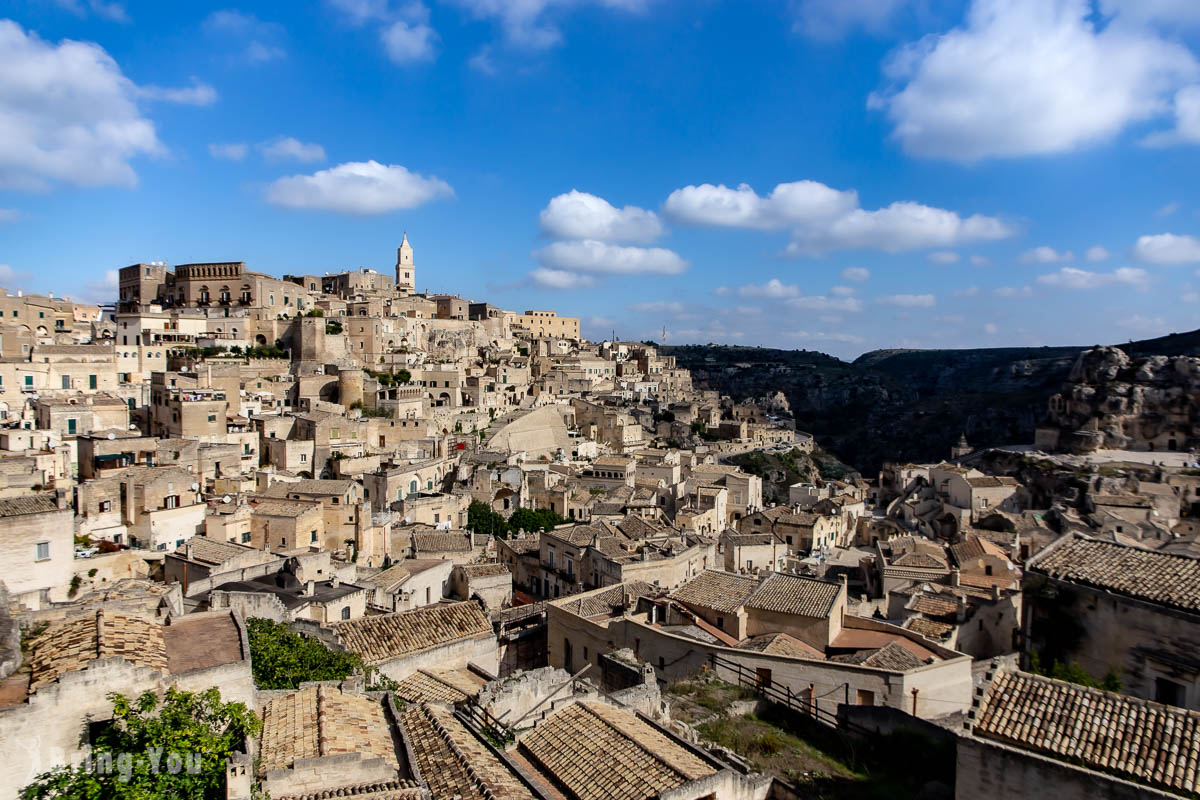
(310, 588)
(954, 578)
(995, 592)
(334, 581)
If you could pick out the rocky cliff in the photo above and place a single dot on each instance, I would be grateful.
(909, 405)
(1111, 400)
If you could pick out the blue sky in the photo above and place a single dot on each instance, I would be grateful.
(803, 174)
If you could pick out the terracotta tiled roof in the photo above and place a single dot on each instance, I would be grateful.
(920, 560)
(387, 790)
(526, 545)
(720, 591)
(389, 578)
(781, 644)
(928, 628)
(484, 570)
(891, 656)
(577, 534)
(34, 504)
(603, 601)
(386, 637)
(70, 645)
(210, 551)
(601, 753)
(1162, 578)
(934, 605)
(1124, 736)
(440, 542)
(790, 594)
(323, 721)
(453, 762)
(439, 686)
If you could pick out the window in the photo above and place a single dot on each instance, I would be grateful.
(721, 623)
(71, 426)
(1166, 691)
(246, 537)
(105, 506)
(66, 381)
(314, 537)
(29, 380)
(303, 457)
(212, 417)
(171, 501)
(43, 548)
(427, 596)
(346, 612)
(91, 381)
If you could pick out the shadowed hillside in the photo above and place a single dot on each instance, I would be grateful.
(906, 405)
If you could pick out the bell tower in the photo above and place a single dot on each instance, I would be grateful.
(406, 273)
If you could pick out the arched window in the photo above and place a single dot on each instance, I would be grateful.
(412, 487)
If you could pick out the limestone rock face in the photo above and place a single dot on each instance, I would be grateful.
(1113, 401)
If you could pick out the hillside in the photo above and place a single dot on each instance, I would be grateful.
(907, 405)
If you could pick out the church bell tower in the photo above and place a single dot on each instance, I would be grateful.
(406, 273)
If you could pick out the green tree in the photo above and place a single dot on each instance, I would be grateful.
(283, 659)
(403, 376)
(534, 519)
(482, 519)
(151, 751)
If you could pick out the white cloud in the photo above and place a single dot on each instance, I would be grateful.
(561, 279)
(1167, 210)
(856, 274)
(990, 328)
(899, 226)
(1097, 253)
(824, 219)
(234, 151)
(1187, 121)
(788, 205)
(823, 303)
(528, 24)
(774, 289)
(590, 255)
(722, 291)
(1140, 324)
(843, 291)
(255, 41)
(483, 61)
(579, 215)
(1074, 278)
(1173, 12)
(67, 114)
(908, 300)
(943, 257)
(658, 307)
(1046, 255)
(287, 148)
(111, 11)
(1028, 77)
(358, 12)
(9, 215)
(198, 94)
(1013, 292)
(824, 336)
(748, 310)
(409, 42)
(980, 261)
(358, 187)
(9, 276)
(970, 291)
(832, 19)
(102, 291)
(1167, 248)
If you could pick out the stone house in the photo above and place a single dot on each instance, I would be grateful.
(1108, 606)
(752, 551)
(1031, 735)
(452, 636)
(408, 584)
(37, 549)
(343, 512)
(283, 525)
(492, 584)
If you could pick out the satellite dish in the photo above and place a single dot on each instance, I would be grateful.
(195, 487)
(226, 499)
(112, 436)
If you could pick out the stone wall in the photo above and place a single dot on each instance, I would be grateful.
(988, 769)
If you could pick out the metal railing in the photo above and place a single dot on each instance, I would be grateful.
(803, 703)
(482, 720)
